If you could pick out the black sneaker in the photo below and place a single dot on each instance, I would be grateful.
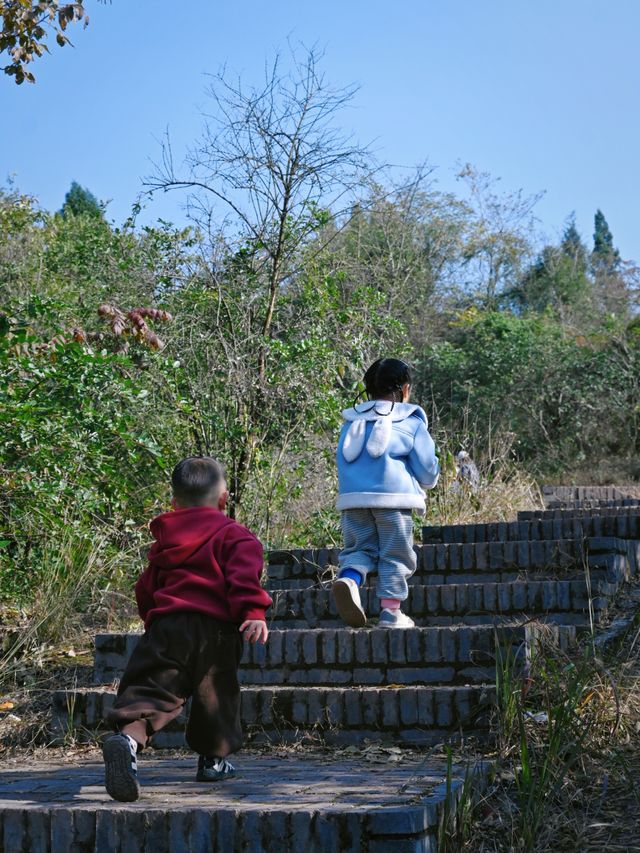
(214, 769)
(121, 768)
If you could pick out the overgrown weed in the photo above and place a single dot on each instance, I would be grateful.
(566, 758)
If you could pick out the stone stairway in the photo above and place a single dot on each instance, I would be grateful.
(478, 587)
(475, 586)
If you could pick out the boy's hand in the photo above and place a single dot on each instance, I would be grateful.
(255, 631)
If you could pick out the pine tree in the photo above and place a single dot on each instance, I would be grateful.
(613, 295)
(79, 201)
(605, 257)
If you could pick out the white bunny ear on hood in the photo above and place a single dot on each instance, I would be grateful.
(379, 438)
(354, 440)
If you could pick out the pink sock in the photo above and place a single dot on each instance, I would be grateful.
(390, 604)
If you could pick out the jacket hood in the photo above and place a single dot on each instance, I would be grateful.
(179, 534)
(384, 414)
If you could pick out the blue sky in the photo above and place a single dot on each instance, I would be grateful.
(544, 94)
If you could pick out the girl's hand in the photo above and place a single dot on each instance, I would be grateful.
(255, 631)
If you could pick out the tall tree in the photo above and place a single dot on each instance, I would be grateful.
(611, 286)
(605, 256)
(270, 165)
(559, 279)
(79, 201)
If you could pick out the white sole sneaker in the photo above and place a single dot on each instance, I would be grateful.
(395, 619)
(120, 769)
(347, 598)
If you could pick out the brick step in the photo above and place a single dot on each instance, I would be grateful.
(490, 562)
(409, 716)
(465, 603)
(628, 509)
(607, 494)
(436, 655)
(594, 506)
(535, 527)
(307, 801)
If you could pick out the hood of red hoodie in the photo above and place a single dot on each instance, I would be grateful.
(182, 532)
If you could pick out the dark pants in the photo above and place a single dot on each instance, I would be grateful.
(184, 655)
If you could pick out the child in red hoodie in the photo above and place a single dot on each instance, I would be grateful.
(200, 592)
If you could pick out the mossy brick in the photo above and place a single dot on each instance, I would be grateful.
(329, 675)
(448, 644)
(461, 598)
(379, 647)
(329, 646)
(468, 557)
(408, 820)
(310, 647)
(474, 533)
(422, 675)
(299, 708)
(523, 550)
(345, 647)
(371, 676)
(448, 599)
(413, 646)
(390, 709)
(496, 555)
(490, 598)
(519, 595)
(450, 532)
(397, 648)
(442, 561)
(362, 646)
(425, 842)
(315, 707)
(482, 555)
(475, 597)
(249, 706)
(408, 707)
(510, 555)
(334, 707)
(455, 557)
(549, 596)
(417, 595)
(428, 558)
(504, 598)
(443, 711)
(432, 647)
(275, 647)
(267, 701)
(433, 599)
(534, 595)
(353, 708)
(563, 593)
(537, 556)
(371, 702)
(465, 640)
(476, 674)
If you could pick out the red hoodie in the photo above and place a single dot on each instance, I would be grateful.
(205, 562)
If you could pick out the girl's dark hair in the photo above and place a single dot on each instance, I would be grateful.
(196, 480)
(387, 376)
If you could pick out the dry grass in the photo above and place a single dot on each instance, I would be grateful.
(569, 780)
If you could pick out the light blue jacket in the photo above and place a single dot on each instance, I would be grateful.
(385, 457)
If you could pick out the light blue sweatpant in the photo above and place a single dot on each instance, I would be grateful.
(382, 540)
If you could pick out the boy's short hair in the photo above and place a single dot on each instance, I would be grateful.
(197, 480)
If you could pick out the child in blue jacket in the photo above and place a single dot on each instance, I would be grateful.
(386, 458)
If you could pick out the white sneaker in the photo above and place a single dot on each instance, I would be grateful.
(395, 619)
(121, 768)
(347, 596)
